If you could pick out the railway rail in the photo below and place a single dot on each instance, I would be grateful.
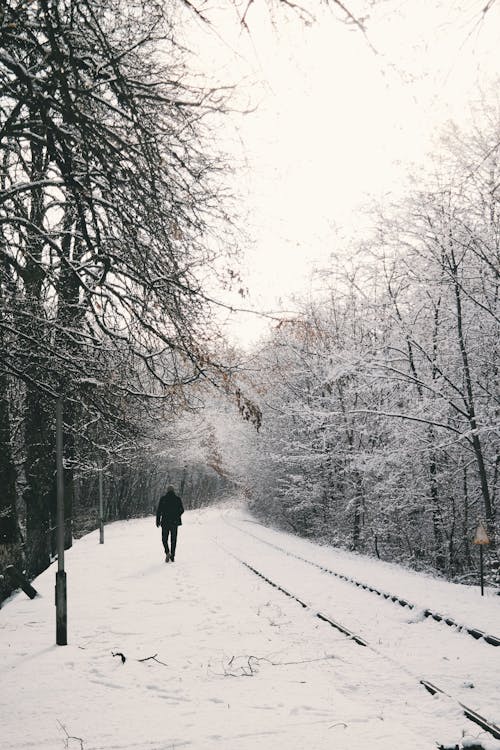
(472, 715)
(476, 633)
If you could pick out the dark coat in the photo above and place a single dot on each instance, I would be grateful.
(170, 510)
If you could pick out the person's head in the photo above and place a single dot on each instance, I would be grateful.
(170, 488)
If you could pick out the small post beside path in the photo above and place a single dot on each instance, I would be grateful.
(481, 539)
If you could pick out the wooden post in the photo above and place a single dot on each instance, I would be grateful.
(61, 591)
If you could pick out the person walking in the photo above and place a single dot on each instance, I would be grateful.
(168, 516)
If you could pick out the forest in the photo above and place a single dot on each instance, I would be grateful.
(368, 420)
(380, 401)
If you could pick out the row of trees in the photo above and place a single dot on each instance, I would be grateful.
(114, 218)
(381, 400)
(111, 207)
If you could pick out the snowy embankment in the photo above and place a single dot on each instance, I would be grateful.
(237, 664)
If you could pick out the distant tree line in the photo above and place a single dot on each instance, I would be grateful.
(132, 490)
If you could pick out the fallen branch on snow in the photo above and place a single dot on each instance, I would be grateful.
(147, 658)
(153, 658)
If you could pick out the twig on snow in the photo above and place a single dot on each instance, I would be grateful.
(153, 658)
(246, 670)
(70, 737)
(303, 661)
(248, 667)
(147, 658)
(242, 670)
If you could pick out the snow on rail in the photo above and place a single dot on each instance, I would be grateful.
(472, 715)
(469, 713)
(476, 633)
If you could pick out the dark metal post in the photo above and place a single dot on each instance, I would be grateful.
(101, 507)
(61, 591)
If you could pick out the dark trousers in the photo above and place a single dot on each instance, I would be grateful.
(169, 529)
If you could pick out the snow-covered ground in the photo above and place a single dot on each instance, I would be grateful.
(237, 664)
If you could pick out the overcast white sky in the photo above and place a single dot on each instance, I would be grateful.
(336, 121)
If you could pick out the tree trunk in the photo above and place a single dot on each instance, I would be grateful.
(465, 527)
(69, 420)
(70, 317)
(356, 529)
(39, 462)
(9, 533)
(436, 517)
(39, 469)
(470, 401)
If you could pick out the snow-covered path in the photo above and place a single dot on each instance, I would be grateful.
(238, 664)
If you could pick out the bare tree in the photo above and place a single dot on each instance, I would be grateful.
(110, 205)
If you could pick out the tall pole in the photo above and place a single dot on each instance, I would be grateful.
(101, 507)
(61, 592)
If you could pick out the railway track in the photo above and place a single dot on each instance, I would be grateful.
(487, 726)
(476, 633)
